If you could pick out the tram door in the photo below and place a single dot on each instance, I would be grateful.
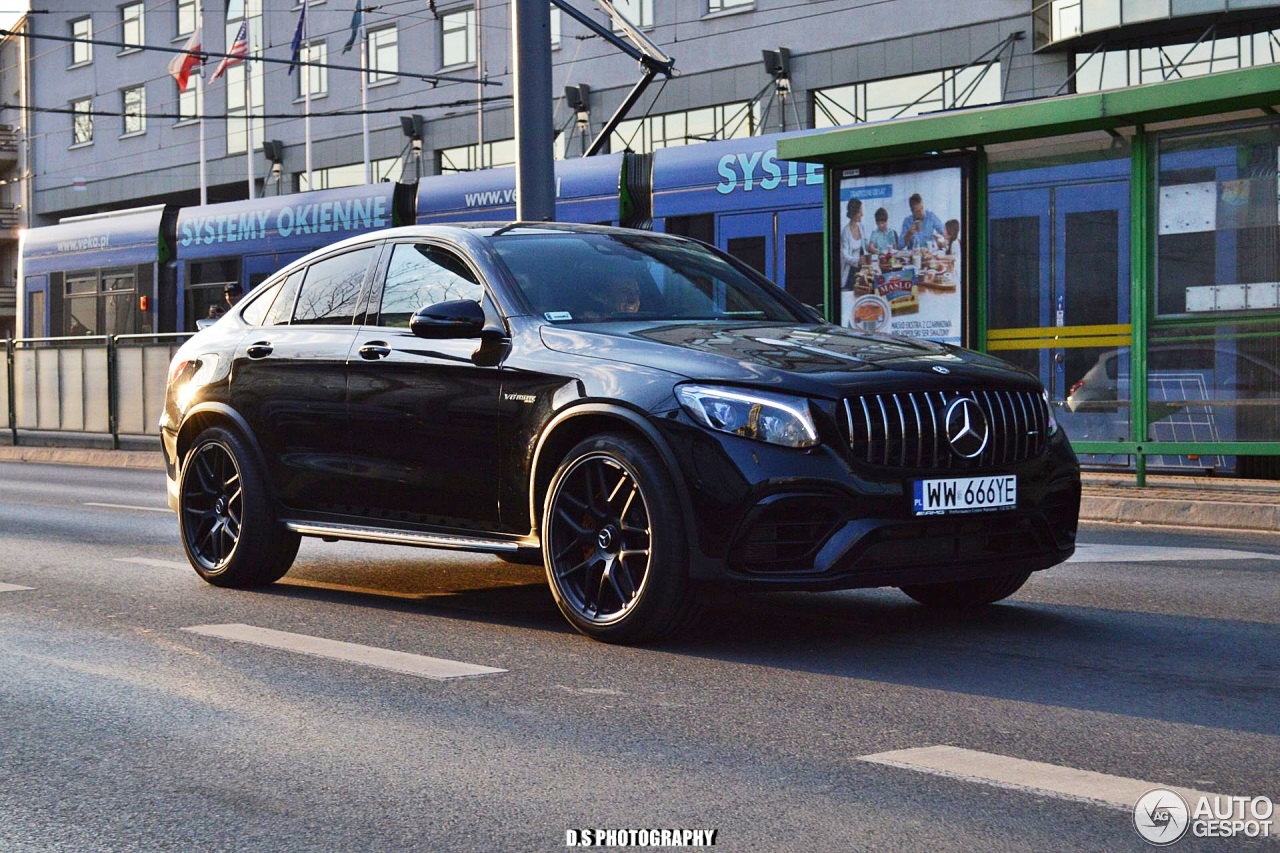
(1059, 295)
(785, 246)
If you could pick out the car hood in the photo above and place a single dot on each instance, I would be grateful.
(815, 359)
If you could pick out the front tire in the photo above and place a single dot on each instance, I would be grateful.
(614, 543)
(967, 595)
(230, 529)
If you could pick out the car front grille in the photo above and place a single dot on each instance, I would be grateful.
(908, 429)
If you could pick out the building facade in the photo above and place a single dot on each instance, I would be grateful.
(13, 185)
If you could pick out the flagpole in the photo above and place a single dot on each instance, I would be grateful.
(248, 114)
(364, 99)
(306, 98)
(204, 181)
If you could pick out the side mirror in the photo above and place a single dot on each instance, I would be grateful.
(459, 318)
(204, 323)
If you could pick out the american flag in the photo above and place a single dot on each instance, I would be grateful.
(239, 50)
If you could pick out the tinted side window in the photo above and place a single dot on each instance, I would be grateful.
(421, 275)
(282, 305)
(331, 290)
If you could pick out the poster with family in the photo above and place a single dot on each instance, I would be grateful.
(901, 256)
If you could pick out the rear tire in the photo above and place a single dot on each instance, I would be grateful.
(614, 543)
(230, 529)
(967, 595)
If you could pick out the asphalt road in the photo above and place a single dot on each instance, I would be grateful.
(1153, 656)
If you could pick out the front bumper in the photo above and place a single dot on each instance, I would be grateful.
(819, 519)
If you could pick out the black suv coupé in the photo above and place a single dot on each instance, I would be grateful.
(637, 411)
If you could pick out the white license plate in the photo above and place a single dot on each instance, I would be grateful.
(964, 494)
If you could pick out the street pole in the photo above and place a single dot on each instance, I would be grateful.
(535, 165)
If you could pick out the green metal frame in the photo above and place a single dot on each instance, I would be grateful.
(1140, 265)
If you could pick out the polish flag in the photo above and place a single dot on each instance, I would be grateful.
(182, 64)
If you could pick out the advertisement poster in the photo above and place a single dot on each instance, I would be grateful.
(901, 253)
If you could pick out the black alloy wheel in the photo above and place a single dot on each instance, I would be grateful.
(229, 528)
(613, 543)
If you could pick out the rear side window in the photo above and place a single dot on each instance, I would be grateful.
(256, 310)
(282, 306)
(332, 287)
(420, 275)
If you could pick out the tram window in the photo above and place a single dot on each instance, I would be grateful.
(701, 227)
(802, 269)
(751, 251)
(1185, 260)
(35, 315)
(1015, 273)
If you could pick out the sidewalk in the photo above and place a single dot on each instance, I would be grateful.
(1209, 502)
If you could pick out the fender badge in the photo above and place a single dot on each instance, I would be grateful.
(938, 368)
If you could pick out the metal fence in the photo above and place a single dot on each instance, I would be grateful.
(98, 386)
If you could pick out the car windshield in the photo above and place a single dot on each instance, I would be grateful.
(599, 277)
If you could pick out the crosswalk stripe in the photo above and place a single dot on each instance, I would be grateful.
(439, 669)
(13, 587)
(1102, 553)
(1002, 771)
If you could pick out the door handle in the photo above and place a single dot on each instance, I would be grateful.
(262, 349)
(374, 350)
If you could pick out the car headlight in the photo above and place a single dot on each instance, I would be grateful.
(775, 418)
(1053, 423)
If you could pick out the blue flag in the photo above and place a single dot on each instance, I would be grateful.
(296, 44)
(355, 28)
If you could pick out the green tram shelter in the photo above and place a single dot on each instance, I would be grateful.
(1123, 245)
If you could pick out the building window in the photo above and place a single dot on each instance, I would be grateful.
(318, 75)
(638, 12)
(187, 104)
(134, 102)
(351, 175)
(465, 158)
(384, 54)
(458, 38)
(723, 121)
(81, 51)
(896, 97)
(721, 5)
(131, 28)
(555, 28)
(82, 121)
(1117, 69)
(186, 17)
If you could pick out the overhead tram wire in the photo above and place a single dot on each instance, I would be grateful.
(205, 55)
(465, 102)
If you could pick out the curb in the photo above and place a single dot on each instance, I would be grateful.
(135, 459)
(1182, 512)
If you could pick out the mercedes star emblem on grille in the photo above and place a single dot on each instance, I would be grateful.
(967, 428)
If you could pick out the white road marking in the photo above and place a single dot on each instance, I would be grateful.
(130, 506)
(1001, 771)
(1159, 554)
(13, 587)
(428, 667)
(160, 564)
